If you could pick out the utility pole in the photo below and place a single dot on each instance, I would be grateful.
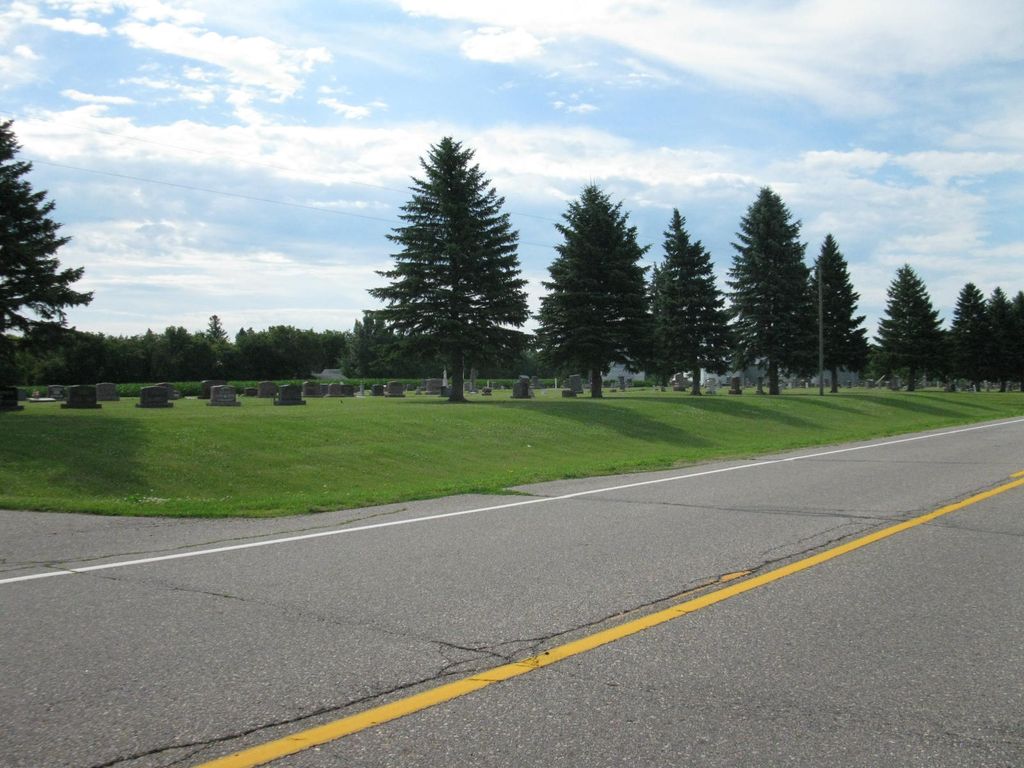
(821, 334)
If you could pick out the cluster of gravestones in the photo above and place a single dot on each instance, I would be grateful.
(219, 393)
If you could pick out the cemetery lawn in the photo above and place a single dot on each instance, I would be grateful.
(258, 460)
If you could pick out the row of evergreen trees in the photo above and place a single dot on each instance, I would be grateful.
(455, 290)
(456, 298)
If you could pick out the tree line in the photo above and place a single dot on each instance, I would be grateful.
(455, 289)
(455, 299)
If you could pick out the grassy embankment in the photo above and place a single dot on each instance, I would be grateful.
(261, 460)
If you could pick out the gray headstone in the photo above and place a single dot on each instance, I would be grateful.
(9, 399)
(106, 391)
(377, 390)
(206, 385)
(568, 392)
(324, 388)
(81, 396)
(289, 394)
(172, 393)
(347, 390)
(311, 389)
(154, 397)
(486, 391)
(622, 382)
(521, 388)
(734, 386)
(266, 389)
(394, 389)
(223, 394)
(576, 383)
(251, 391)
(334, 390)
(56, 391)
(432, 386)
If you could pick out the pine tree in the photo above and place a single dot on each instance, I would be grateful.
(1017, 342)
(34, 290)
(846, 344)
(456, 289)
(215, 331)
(1001, 328)
(910, 333)
(595, 311)
(774, 316)
(969, 336)
(691, 325)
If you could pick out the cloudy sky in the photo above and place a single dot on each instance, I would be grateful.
(248, 159)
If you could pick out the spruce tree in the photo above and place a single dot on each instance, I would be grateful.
(910, 334)
(845, 338)
(969, 336)
(595, 311)
(34, 290)
(456, 290)
(1001, 328)
(691, 325)
(774, 316)
(1017, 341)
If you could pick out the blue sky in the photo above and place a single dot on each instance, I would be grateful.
(248, 159)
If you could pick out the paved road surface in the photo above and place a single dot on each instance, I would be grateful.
(907, 652)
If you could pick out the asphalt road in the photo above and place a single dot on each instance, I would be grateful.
(907, 652)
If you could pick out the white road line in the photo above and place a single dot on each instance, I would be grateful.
(526, 502)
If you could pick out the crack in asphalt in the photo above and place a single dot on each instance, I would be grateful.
(856, 514)
(505, 652)
(451, 668)
(331, 709)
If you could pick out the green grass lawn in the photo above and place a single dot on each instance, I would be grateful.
(261, 460)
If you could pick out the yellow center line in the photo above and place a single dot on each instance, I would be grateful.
(346, 726)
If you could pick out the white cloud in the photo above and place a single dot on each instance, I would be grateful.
(254, 62)
(941, 167)
(501, 46)
(843, 56)
(349, 111)
(29, 14)
(18, 68)
(179, 89)
(93, 99)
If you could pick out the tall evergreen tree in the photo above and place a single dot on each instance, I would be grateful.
(456, 289)
(1001, 328)
(595, 311)
(845, 338)
(1017, 344)
(215, 330)
(774, 317)
(34, 290)
(910, 334)
(691, 325)
(969, 336)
